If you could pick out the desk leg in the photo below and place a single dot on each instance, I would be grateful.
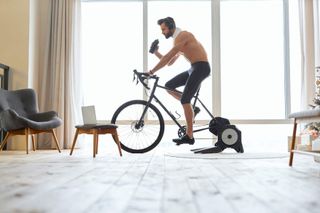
(293, 142)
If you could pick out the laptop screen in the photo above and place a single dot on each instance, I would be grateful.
(89, 115)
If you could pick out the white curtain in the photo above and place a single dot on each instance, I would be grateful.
(59, 81)
(316, 32)
(308, 52)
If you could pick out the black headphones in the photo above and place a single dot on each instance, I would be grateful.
(170, 23)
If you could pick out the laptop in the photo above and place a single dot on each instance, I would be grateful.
(89, 115)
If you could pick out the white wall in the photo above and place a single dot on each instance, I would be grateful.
(23, 25)
(14, 47)
(14, 40)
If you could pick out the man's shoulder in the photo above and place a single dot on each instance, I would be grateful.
(184, 34)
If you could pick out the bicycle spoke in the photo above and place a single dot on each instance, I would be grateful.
(138, 135)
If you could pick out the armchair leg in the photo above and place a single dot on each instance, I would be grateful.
(33, 143)
(5, 140)
(26, 132)
(55, 140)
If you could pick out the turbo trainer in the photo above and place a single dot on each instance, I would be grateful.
(229, 136)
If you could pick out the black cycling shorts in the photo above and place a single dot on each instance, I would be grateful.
(191, 79)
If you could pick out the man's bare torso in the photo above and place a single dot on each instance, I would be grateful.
(192, 49)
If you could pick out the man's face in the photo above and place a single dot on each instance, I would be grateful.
(165, 30)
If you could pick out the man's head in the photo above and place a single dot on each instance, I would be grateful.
(168, 26)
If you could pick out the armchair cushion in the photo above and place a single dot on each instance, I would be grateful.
(18, 110)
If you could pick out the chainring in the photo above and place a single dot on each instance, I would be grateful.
(182, 131)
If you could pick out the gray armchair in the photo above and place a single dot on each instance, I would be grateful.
(19, 115)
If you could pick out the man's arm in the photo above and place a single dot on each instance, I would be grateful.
(165, 59)
(173, 59)
(159, 55)
(181, 40)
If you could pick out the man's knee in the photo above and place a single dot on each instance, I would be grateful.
(170, 87)
(185, 100)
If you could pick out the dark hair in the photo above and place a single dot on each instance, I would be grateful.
(169, 22)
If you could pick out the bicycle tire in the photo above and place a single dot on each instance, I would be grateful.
(141, 139)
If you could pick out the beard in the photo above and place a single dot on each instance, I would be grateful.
(169, 34)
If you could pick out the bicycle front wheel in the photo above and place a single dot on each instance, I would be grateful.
(135, 136)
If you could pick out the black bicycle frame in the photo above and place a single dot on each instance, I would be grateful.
(153, 96)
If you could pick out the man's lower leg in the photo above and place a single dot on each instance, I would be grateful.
(188, 137)
(188, 112)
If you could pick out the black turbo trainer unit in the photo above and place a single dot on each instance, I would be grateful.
(229, 136)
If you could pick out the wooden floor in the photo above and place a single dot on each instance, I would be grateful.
(46, 181)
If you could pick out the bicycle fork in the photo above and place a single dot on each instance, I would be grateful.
(140, 123)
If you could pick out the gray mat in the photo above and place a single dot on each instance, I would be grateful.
(228, 155)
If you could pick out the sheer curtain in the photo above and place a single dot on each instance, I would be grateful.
(59, 80)
(317, 31)
(308, 52)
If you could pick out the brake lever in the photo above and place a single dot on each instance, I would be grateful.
(140, 77)
(135, 78)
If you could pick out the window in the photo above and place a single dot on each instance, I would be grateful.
(252, 53)
(113, 46)
(112, 36)
(295, 56)
(193, 16)
(252, 59)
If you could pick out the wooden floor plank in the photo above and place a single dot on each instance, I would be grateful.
(290, 187)
(119, 194)
(177, 196)
(249, 183)
(46, 181)
(236, 195)
(206, 195)
(149, 191)
(57, 181)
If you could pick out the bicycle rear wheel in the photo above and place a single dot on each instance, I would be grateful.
(138, 137)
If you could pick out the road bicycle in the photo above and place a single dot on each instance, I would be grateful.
(141, 125)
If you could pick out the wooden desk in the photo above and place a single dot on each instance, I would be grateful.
(302, 117)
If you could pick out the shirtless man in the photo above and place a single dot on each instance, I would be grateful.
(184, 44)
